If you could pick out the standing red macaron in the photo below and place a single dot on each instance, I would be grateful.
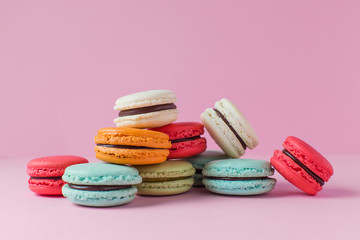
(46, 172)
(185, 137)
(302, 165)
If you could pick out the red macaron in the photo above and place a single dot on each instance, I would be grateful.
(185, 137)
(46, 172)
(302, 165)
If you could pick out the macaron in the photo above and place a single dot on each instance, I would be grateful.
(167, 178)
(302, 165)
(199, 161)
(229, 128)
(46, 172)
(238, 177)
(185, 137)
(148, 109)
(100, 184)
(131, 146)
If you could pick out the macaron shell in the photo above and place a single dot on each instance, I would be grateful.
(181, 130)
(131, 156)
(145, 99)
(168, 169)
(187, 148)
(99, 198)
(165, 187)
(222, 134)
(238, 168)
(238, 121)
(52, 166)
(247, 187)
(46, 186)
(292, 172)
(101, 174)
(311, 158)
(132, 137)
(45, 172)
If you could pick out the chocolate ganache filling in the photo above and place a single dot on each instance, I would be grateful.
(51, 178)
(236, 178)
(123, 146)
(311, 173)
(231, 128)
(149, 109)
(98, 187)
(184, 139)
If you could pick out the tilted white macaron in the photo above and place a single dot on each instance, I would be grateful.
(148, 109)
(229, 128)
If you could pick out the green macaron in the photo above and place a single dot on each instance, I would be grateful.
(239, 176)
(100, 184)
(167, 178)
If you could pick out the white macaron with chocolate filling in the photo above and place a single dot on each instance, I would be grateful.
(148, 109)
(229, 128)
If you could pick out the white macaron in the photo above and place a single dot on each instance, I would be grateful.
(148, 109)
(229, 128)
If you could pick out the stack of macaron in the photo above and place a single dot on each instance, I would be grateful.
(148, 153)
(146, 137)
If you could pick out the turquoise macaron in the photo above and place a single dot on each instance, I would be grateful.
(239, 177)
(100, 184)
(199, 161)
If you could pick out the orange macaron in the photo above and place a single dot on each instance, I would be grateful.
(122, 145)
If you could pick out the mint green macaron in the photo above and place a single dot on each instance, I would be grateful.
(239, 176)
(100, 184)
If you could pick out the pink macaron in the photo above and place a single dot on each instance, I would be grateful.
(185, 137)
(302, 165)
(46, 172)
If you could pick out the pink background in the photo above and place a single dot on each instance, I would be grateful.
(292, 68)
